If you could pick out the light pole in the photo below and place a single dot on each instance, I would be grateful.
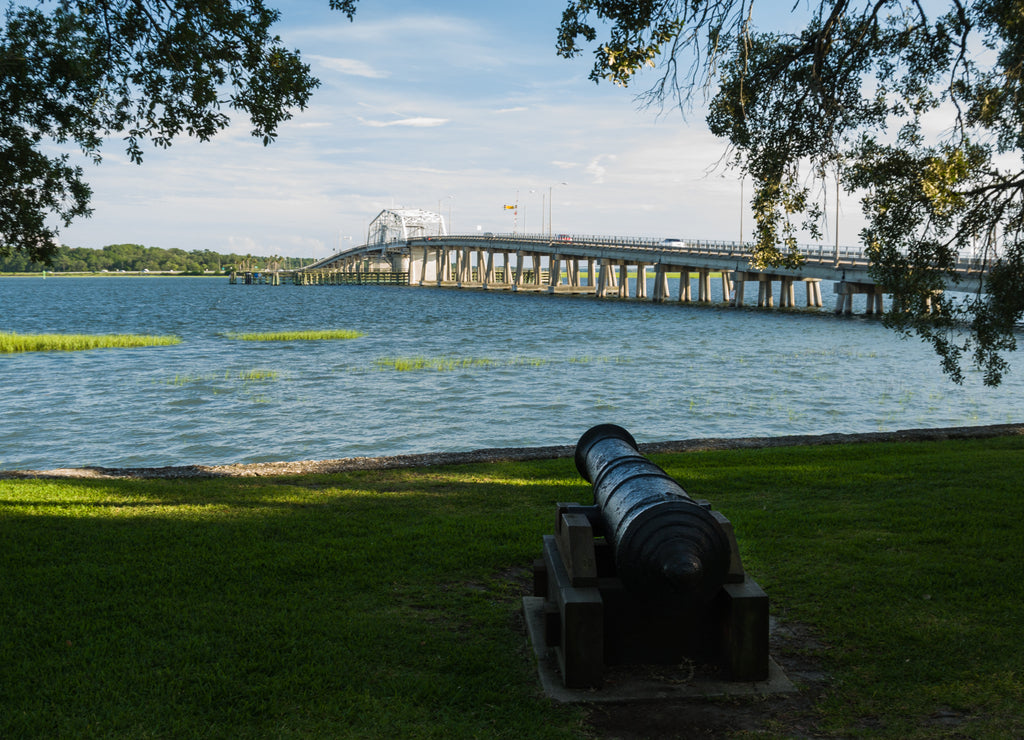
(837, 215)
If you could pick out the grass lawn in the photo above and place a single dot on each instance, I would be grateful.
(386, 603)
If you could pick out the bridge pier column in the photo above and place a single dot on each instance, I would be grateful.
(488, 277)
(785, 285)
(765, 292)
(506, 269)
(591, 276)
(554, 273)
(603, 278)
(704, 285)
(813, 293)
(520, 256)
(641, 281)
(660, 283)
(623, 280)
(726, 287)
(685, 288)
(740, 283)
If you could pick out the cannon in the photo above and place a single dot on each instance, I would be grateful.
(666, 546)
(645, 575)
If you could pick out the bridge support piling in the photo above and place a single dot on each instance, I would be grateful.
(519, 271)
(555, 273)
(641, 281)
(704, 285)
(846, 290)
(685, 286)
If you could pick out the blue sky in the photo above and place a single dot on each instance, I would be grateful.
(457, 105)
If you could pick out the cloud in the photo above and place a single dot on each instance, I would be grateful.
(596, 170)
(353, 67)
(415, 122)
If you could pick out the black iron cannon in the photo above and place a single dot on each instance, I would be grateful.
(666, 546)
(646, 574)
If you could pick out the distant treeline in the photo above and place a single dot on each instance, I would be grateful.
(136, 258)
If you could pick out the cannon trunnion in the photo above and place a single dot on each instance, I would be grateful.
(645, 575)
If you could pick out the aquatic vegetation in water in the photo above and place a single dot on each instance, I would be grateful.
(12, 342)
(243, 375)
(291, 336)
(404, 364)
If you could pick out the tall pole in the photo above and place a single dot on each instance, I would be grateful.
(837, 215)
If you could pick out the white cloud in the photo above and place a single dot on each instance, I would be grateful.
(415, 122)
(596, 170)
(353, 67)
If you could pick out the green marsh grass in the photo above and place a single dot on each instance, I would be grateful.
(254, 375)
(297, 336)
(11, 342)
(386, 603)
(409, 364)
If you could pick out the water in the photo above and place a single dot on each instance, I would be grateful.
(557, 365)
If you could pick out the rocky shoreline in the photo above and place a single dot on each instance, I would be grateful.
(506, 454)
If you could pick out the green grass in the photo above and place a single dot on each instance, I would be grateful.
(12, 342)
(384, 603)
(293, 336)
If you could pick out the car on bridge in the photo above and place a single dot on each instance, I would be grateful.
(672, 243)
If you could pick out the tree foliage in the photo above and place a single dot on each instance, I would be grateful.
(74, 73)
(921, 114)
(137, 258)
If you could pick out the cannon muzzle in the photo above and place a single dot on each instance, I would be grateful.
(666, 546)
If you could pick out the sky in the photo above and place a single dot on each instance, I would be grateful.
(454, 107)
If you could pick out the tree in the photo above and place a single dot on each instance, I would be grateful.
(148, 70)
(921, 115)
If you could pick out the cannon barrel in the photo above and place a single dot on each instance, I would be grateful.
(666, 546)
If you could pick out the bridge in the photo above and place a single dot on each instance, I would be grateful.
(410, 246)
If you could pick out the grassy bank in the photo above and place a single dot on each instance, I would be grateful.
(384, 603)
(11, 342)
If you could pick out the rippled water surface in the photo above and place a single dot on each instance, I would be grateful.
(545, 369)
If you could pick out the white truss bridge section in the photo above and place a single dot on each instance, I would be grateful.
(401, 224)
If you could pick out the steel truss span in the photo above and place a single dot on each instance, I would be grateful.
(401, 224)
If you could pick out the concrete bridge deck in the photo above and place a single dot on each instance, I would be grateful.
(603, 266)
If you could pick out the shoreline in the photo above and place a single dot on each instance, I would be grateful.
(509, 454)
